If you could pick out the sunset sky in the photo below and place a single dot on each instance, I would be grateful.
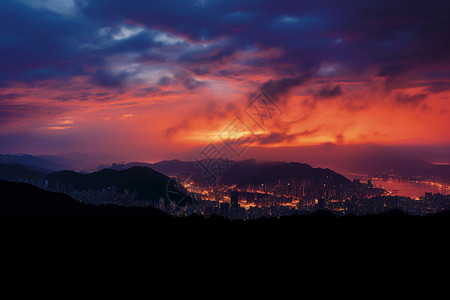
(155, 80)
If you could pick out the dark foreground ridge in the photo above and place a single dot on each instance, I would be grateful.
(25, 200)
(33, 216)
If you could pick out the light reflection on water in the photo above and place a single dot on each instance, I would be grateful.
(410, 188)
(405, 188)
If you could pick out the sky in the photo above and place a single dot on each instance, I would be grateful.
(153, 80)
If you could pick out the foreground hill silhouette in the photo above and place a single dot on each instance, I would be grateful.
(25, 200)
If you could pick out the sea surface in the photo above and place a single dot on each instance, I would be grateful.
(408, 188)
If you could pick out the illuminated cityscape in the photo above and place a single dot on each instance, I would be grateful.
(264, 201)
(286, 198)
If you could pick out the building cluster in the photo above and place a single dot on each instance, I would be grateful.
(296, 197)
(359, 206)
(427, 204)
(224, 209)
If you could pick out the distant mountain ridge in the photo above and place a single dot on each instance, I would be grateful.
(31, 162)
(240, 172)
(168, 167)
(51, 163)
(298, 171)
(77, 161)
(370, 159)
(245, 172)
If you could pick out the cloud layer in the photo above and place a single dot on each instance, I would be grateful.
(342, 70)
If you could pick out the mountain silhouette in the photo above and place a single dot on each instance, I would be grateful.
(243, 172)
(298, 171)
(31, 162)
(251, 171)
(14, 171)
(150, 184)
(25, 200)
(78, 161)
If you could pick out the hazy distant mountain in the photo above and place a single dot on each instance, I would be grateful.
(24, 200)
(248, 171)
(298, 171)
(123, 166)
(240, 172)
(149, 184)
(236, 172)
(361, 158)
(49, 163)
(174, 167)
(251, 171)
(78, 161)
(167, 167)
(32, 162)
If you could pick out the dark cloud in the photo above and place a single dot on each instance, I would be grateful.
(278, 88)
(186, 79)
(354, 105)
(274, 138)
(213, 53)
(84, 96)
(362, 34)
(11, 112)
(178, 127)
(10, 96)
(413, 100)
(201, 70)
(329, 92)
(278, 137)
(191, 83)
(438, 87)
(165, 81)
(109, 79)
(152, 90)
(37, 45)
(401, 39)
(309, 132)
